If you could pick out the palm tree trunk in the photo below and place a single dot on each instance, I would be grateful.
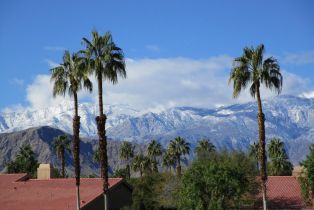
(101, 127)
(62, 163)
(76, 150)
(262, 152)
(178, 166)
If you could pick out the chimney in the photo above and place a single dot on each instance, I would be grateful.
(44, 171)
(298, 171)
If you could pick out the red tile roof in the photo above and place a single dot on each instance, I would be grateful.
(19, 193)
(283, 192)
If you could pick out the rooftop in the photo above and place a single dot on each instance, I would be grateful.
(18, 192)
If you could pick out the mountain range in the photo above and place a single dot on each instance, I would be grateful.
(230, 127)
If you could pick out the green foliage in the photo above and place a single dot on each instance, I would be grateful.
(168, 160)
(154, 150)
(61, 144)
(141, 164)
(126, 154)
(251, 69)
(204, 148)
(121, 173)
(308, 164)
(25, 162)
(177, 148)
(104, 58)
(305, 190)
(70, 76)
(156, 191)
(280, 164)
(253, 152)
(224, 181)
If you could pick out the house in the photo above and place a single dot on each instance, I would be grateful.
(19, 192)
(283, 192)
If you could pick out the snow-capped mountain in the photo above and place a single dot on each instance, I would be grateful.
(233, 127)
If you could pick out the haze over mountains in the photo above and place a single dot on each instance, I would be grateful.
(232, 127)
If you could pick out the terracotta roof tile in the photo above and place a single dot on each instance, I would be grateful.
(48, 194)
(283, 192)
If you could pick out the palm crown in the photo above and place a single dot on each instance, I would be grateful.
(105, 59)
(70, 75)
(252, 69)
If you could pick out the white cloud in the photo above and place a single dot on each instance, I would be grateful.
(39, 93)
(157, 84)
(309, 94)
(298, 58)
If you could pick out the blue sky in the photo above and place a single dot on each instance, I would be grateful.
(192, 42)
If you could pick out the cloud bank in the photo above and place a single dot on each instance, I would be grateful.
(157, 84)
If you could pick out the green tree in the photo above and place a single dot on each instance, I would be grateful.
(127, 153)
(121, 173)
(222, 182)
(24, 162)
(106, 62)
(308, 180)
(204, 148)
(154, 150)
(280, 164)
(251, 69)
(61, 144)
(141, 164)
(71, 76)
(177, 148)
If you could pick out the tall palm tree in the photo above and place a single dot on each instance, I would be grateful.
(106, 62)
(154, 150)
(177, 148)
(61, 144)
(204, 148)
(71, 76)
(126, 153)
(141, 163)
(251, 69)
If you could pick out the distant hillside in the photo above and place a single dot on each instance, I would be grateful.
(40, 139)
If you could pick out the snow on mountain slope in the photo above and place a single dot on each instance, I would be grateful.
(61, 117)
(232, 127)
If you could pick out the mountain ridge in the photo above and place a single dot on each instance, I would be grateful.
(230, 127)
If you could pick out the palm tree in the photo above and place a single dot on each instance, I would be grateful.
(71, 76)
(141, 163)
(275, 147)
(168, 160)
(280, 164)
(177, 148)
(253, 152)
(204, 148)
(251, 69)
(61, 144)
(106, 62)
(126, 153)
(154, 150)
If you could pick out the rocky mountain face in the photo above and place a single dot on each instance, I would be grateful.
(41, 138)
(232, 127)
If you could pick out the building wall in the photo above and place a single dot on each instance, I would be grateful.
(119, 196)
